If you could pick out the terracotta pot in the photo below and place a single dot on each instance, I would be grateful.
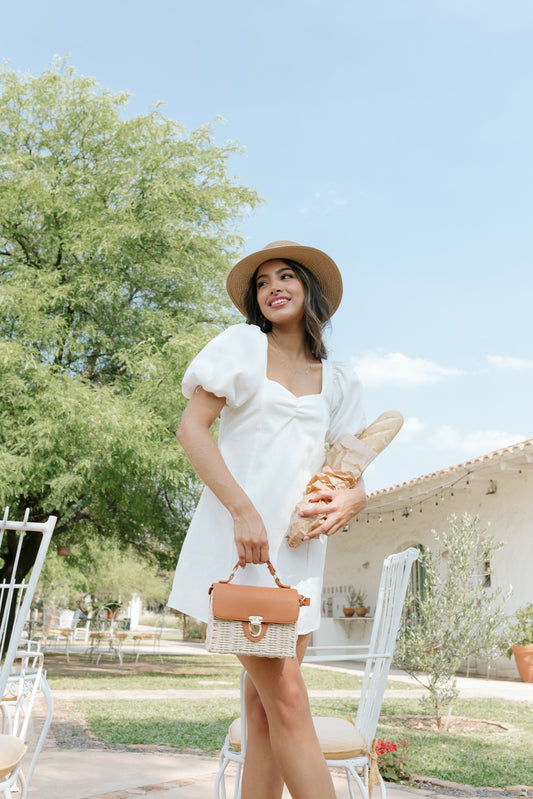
(524, 661)
(348, 611)
(360, 611)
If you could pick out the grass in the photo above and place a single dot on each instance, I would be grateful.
(482, 755)
(188, 672)
(480, 758)
(189, 726)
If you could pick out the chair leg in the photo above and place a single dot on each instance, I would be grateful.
(238, 782)
(47, 693)
(353, 777)
(23, 783)
(220, 782)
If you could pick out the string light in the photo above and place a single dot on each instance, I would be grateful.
(438, 494)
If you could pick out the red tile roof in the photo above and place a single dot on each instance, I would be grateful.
(468, 466)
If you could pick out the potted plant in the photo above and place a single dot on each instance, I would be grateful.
(520, 641)
(112, 609)
(355, 602)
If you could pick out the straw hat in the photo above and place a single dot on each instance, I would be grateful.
(317, 262)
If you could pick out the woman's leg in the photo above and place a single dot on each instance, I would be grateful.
(261, 777)
(282, 745)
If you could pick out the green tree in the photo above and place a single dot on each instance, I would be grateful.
(457, 615)
(103, 570)
(116, 233)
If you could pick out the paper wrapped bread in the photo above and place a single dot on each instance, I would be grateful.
(345, 463)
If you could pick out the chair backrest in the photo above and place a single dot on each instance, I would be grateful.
(16, 594)
(22, 687)
(66, 619)
(391, 595)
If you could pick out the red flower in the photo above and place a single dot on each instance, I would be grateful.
(385, 746)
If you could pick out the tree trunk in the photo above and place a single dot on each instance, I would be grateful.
(438, 711)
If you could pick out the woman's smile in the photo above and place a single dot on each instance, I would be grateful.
(280, 294)
(277, 301)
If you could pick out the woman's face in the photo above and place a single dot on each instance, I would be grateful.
(280, 294)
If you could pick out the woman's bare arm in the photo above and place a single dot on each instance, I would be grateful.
(194, 436)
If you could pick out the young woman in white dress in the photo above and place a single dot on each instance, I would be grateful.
(280, 401)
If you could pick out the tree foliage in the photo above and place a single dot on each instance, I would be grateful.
(103, 571)
(456, 615)
(116, 234)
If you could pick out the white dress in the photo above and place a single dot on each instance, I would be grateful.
(272, 442)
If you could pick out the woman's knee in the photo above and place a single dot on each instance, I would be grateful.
(291, 702)
(276, 691)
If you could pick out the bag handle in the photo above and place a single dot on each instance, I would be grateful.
(271, 569)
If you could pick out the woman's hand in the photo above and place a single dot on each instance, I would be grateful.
(250, 537)
(336, 507)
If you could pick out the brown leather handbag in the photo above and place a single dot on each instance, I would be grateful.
(253, 620)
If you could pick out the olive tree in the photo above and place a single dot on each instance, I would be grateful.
(456, 615)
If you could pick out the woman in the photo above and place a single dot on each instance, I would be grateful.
(280, 402)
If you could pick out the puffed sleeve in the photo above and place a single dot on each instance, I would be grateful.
(345, 398)
(231, 365)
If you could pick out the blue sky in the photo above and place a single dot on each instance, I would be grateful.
(397, 136)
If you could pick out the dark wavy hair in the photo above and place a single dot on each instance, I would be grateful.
(316, 308)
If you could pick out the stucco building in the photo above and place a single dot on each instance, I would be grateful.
(498, 487)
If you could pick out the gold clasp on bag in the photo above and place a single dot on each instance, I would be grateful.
(254, 625)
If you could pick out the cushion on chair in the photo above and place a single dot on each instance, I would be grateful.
(235, 734)
(12, 750)
(339, 739)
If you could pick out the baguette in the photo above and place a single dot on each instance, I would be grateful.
(380, 433)
(345, 462)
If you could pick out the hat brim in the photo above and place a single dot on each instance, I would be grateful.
(324, 269)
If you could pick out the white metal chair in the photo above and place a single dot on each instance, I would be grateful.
(25, 682)
(21, 674)
(346, 745)
(139, 638)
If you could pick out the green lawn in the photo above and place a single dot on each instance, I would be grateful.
(480, 755)
(480, 758)
(191, 672)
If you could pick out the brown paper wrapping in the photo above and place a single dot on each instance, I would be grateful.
(344, 464)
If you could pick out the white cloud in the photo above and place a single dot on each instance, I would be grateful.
(473, 444)
(411, 428)
(323, 203)
(397, 369)
(508, 362)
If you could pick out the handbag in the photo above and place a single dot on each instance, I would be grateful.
(253, 620)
